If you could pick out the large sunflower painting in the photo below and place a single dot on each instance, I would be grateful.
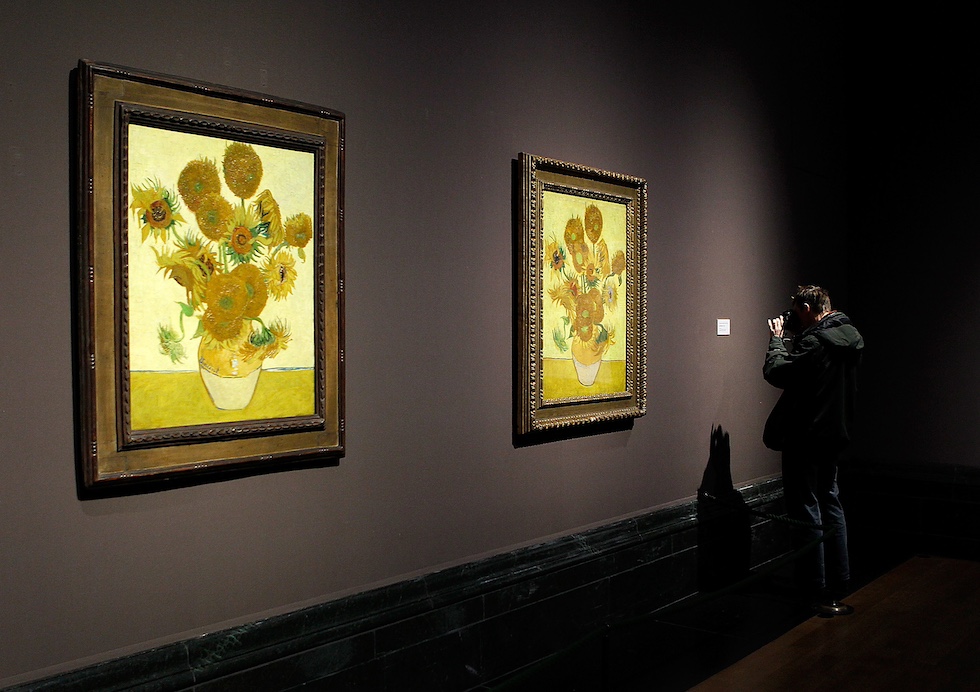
(583, 300)
(581, 351)
(220, 280)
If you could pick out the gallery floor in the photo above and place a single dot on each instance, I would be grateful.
(915, 628)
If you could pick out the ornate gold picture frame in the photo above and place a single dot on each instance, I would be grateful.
(582, 345)
(209, 279)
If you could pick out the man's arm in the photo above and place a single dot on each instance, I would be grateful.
(782, 368)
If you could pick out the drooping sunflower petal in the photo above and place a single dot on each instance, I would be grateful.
(190, 265)
(268, 211)
(280, 330)
(264, 342)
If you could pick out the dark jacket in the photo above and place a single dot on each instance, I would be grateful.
(818, 376)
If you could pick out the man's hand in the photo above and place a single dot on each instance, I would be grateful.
(776, 326)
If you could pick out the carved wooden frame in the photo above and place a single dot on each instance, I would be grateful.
(112, 453)
(534, 411)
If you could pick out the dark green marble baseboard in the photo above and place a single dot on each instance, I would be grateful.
(473, 625)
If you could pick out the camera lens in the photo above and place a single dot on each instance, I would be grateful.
(790, 320)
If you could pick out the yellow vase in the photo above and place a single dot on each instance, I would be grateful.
(229, 377)
(587, 357)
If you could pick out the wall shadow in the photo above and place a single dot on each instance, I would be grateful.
(724, 523)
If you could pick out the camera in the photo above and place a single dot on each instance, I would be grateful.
(791, 320)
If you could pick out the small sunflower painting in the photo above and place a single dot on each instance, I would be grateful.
(220, 280)
(583, 304)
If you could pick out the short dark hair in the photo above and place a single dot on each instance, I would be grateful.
(817, 298)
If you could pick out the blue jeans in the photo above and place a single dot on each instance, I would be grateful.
(811, 494)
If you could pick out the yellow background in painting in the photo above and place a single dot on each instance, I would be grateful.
(557, 209)
(279, 394)
(160, 155)
(166, 394)
(560, 381)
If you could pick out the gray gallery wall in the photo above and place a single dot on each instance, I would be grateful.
(731, 119)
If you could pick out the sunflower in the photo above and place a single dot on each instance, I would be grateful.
(201, 251)
(255, 288)
(591, 272)
(562, 295)
(267, 209)
(299, 230)
(619, 263)
(598, 312)
(580, 255)
(588, 312)
(555, 255)
(593, 222)
(266, 342)
(181, 268)
(241, 240)
(245, 228)
(602, 259)
(583, 332)
(280, 274)
(243, 169)
(225, 330)
(559, 338)
(281, 331)
(214, 215)
(190, 265)
(170, 345)
(610, 294)
(610, 337)
(198, 180)
(157, 208)
(227, 297)
(574, 232)
(565, 294)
